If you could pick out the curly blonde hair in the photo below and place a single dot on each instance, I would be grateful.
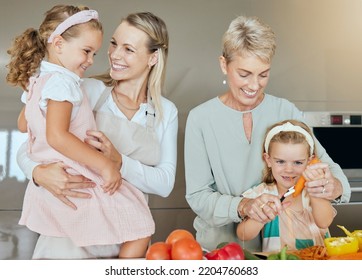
(29, 48)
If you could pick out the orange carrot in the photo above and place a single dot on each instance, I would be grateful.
(299, 186)
(351, 256)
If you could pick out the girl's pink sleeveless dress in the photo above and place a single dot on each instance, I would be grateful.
(100, 220)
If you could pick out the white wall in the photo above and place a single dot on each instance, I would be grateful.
(318, 55)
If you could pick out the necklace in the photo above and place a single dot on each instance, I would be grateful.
(123, 106)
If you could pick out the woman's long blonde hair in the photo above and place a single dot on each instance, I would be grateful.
(156, 30)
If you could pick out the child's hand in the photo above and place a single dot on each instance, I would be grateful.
(112, 178)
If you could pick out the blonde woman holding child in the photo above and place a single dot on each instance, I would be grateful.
(304, 220)
(48, 64)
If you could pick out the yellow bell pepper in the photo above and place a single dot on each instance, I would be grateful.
(341, 245)
(356, 233)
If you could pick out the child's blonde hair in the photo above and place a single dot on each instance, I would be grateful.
(292, 137)
(30, 47)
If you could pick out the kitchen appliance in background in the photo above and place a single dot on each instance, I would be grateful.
(340, 133)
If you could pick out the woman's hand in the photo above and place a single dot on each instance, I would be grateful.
(54, 178)
(98, 140)
(263, 209)
(321, 183)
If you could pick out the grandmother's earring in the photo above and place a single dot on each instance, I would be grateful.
(224, 82)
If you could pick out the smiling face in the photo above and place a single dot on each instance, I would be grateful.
(287, 162)
(77, 54)
(128, 54)
(247, 77)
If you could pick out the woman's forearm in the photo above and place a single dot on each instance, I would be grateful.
(157, 180)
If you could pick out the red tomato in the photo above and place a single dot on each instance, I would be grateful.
(159, 251)
(186, 249)
(178, 234)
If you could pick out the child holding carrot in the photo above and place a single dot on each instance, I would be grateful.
(288, 149)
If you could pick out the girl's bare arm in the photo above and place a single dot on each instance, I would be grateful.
(59, 137)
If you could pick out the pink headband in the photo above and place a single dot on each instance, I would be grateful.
(78, 18)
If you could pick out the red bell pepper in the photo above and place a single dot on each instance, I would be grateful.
(231, 251)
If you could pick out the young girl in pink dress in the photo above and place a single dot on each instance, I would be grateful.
(49, 64)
